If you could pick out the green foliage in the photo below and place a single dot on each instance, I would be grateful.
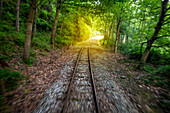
(10, 78)
(30, 61)
(9, 40)
(4, 58)
(41, 41)
(164, 70)
(133, 50)
(157, 77)
(156, 80)
(157, 56)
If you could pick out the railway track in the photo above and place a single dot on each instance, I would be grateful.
(81, 95)
(75, 89)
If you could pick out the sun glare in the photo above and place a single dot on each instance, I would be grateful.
(97, 37)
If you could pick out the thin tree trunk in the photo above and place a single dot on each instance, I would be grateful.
(26, 53)
(141, 48)
(124, 39)
(141, 32)
(108, 39)
(17, 19)
(139, 28)
(113, 42)
(27, 71)
(154, 36)
(61, 28)
(35, 24)
(143, 23)
(105, 35)
(1, 3)
(129, 28)
(53, 32)
(117, 36)
(113, 38)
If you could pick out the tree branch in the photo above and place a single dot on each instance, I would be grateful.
(165, 49)
(166, 19)
(40, 3)
(166, 23)
(167, 9)
(162, 36)
(167, 15)
(146, 38)
(160, 46)
(142, 43)
(165, 29)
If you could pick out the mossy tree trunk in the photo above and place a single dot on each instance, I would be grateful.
(26, 53)
(61, 28)
(108, 38)
(105, 34)
(53, 32)
(35, 24)
(117, 35)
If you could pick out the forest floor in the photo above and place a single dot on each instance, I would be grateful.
(46, 70)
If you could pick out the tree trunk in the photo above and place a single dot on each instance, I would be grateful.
(124, 39)
(117, 36)
(128, 34)
(105, 35)
(1, 3)
(35, 24)
(61, 28)
(143, 23)
(55, 22)
(113, 32)
(108, 38)
(17, 19)
(26, 53)
(154, 36)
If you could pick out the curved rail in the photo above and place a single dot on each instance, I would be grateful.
(72, 79)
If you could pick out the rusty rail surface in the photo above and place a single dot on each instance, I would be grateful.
(66, 103)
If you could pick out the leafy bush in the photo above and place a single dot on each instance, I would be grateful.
(157, 55)
(10, 78)
(133, 50)
(164, 70)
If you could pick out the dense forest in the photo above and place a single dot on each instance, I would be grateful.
(139, 29)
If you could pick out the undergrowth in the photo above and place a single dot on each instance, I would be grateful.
(10, 82)
(12, 44)
(157, 64)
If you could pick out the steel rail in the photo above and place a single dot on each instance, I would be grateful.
(93, 84)
(72, 79)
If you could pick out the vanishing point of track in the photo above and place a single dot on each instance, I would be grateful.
(68, 95)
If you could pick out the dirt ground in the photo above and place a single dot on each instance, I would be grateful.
(47, 70)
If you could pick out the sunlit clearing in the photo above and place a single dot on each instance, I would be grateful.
(97, 37)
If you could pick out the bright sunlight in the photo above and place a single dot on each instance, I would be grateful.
(97, 37)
